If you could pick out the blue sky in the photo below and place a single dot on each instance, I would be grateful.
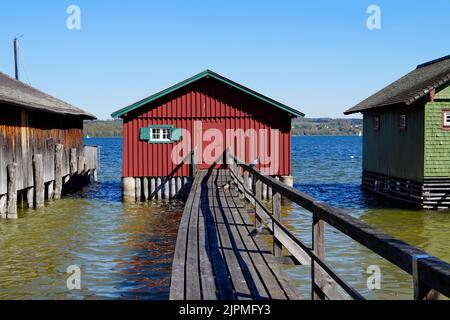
(316, 56)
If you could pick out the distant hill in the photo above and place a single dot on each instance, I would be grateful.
(301, 127)
(326, 127)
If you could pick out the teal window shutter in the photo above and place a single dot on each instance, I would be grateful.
(176, 134)
(145, 134)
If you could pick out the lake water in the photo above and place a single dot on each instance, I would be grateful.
(125, 251)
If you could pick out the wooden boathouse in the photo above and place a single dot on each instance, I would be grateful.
(407, 137)
(42, 153)
(206, 112)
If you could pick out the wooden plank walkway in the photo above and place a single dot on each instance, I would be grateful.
(215, 257)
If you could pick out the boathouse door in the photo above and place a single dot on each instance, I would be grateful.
(213, 145)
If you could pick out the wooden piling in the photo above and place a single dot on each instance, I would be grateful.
(73, 161)
(173, 188)
(152, 188)
(11, 207)
(59, 149)
(30, 198)
(145, 187)
(179, 187)
(81, 167)
(95, 175)
(159, 187)
(50, 190)
(138, 189)
(39, 187)
(166, 188)
(3, 204)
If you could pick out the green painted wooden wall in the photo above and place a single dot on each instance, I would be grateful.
(391, 151)
(437, 140)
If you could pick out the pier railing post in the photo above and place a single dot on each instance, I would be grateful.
(421, 291)
(318, 246)
(245, 184)
(258, 190)
(276, 212)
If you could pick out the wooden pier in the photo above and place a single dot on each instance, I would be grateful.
(220, 254)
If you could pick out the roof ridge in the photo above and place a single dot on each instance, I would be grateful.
(426, 64)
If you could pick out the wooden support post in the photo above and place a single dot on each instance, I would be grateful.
(264, 191)
(3, 204)
(95, 175)
(39, 186)
(73, 164)
(276, 212)
(159, 187)
(11, 207)
(318, 246)
(166, 188)
(128, 189)
(50, 190)
(179, 187)
(59, 149)
(146, 188)
(173, 188)
(269, 193)
(30, 198)
(152, 188)
(138, 189)
(81, 167)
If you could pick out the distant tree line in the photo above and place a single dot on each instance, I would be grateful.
(327, 127)
(300, 127)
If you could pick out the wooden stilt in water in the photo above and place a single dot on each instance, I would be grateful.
(3, 203)
(166, 188)
(264, 191)
(138, 190)
(145, 187)
(73, 161)
(95, 175)
(59, 149)
(152, 188)
(12, 191)
(179, 187)
(30, 198)
(50, 190)
(159, 187)
(129, 189)
(39, 187)
(173, 188)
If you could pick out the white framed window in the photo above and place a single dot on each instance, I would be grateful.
(160, 134)
(446, 119)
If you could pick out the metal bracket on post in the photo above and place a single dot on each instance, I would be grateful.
(415, 274)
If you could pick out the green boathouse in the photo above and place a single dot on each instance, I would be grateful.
(407, 137)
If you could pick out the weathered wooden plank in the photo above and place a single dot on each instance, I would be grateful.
(274, 279)
(234, 265)
(193, 288)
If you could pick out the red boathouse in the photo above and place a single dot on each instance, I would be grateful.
(210, 113)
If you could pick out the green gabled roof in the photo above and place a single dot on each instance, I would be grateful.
(204, 74)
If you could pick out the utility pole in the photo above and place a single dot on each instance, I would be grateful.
(16, 58)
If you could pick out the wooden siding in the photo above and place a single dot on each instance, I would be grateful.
(391, 151)
(208, 101)
(444, 93)
(25, 132)
(437, 141)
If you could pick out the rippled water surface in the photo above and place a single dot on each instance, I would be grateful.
(125, 251)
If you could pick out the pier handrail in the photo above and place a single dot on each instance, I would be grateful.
(431, 275)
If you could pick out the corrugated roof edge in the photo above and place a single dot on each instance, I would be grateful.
(197, 77)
